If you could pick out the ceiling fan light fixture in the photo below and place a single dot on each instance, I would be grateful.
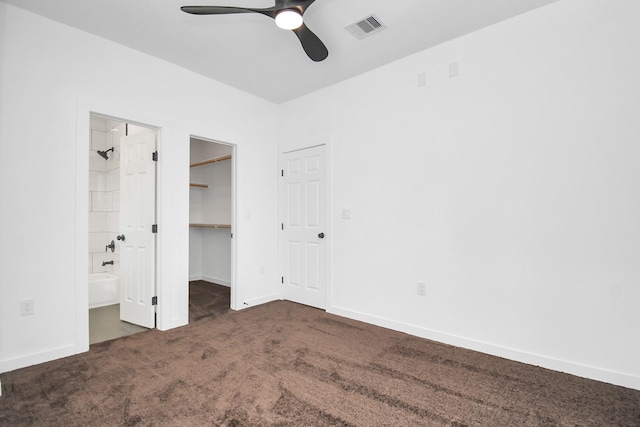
(289, 19)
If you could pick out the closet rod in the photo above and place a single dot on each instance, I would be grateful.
(206, 162)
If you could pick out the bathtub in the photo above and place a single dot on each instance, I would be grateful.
(104, 289)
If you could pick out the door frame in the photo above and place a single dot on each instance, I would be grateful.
(298, 146)
(234, 152)
(172, 309)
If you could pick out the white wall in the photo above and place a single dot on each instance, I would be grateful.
(210, 255)
(510, 190)
(51, 77)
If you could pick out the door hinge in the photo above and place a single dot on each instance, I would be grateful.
(283, 280)
(154, 156)
(154, 300)
(154, 228)
(282, 172)
(282, 226)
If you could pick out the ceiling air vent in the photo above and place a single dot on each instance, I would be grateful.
(365, 27)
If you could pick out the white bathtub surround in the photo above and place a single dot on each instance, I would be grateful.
(104, 197)
(104, 289)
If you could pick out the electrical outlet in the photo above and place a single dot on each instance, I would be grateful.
(27, 307)
(422, 289)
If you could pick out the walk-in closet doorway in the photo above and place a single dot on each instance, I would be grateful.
(210, 222)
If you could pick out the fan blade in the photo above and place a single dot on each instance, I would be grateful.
(312, 45)
(223, 10)
(301, 5)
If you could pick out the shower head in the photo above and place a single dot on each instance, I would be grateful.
(103, 154)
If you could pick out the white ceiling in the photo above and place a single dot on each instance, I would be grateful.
(249, 52)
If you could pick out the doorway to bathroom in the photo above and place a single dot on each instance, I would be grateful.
(122, 205)
(210, 227)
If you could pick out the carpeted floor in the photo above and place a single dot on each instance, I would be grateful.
(207, 300)
(284, 364)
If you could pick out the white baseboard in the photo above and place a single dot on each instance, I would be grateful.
(37, 358)
(590, 372)
(215, 280)
(260, 300)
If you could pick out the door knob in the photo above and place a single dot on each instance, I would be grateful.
(321, 235)
(121, 237)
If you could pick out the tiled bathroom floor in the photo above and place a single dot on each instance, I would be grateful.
(105, 324)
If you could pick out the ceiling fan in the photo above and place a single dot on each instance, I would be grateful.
(287, 14)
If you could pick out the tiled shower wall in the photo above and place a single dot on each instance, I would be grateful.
(104, 195)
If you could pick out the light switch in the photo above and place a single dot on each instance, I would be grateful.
(454, 70)
(346, 213)
(422, 79)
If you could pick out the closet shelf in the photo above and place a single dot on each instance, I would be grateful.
(210, 225)
(214, 160)
(193, 184)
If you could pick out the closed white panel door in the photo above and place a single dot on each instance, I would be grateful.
(137, 216)
(303, 226)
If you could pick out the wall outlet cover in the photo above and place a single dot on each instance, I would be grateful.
(422, 288)
(27, 307)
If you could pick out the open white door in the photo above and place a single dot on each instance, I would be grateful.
(303, 226)
(137, 217)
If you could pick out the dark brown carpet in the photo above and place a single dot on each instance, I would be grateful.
(284, 364)
(207, 300)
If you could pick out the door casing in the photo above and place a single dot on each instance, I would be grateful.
(172, 212)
